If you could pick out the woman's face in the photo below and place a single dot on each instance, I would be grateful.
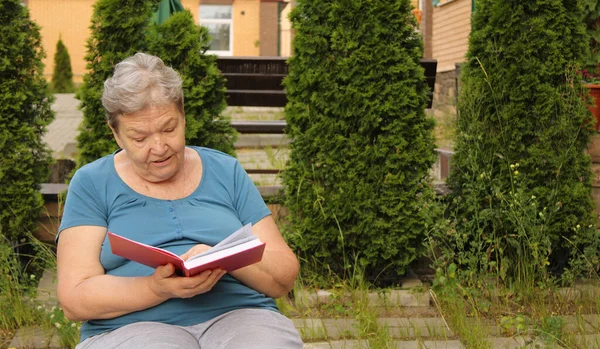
(154, 141)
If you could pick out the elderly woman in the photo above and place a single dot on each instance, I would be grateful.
(158, 191)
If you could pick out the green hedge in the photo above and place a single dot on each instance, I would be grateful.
(24, 114)
(121, 29)
(521, 179)
(182, 44)
(357, 180)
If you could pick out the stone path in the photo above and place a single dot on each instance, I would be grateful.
(319, 333)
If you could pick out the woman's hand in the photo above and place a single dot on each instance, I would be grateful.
(194, 251)
(165, 284)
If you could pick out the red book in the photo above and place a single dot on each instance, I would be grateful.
(240, 249)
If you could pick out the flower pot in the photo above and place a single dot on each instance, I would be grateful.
(595, 109)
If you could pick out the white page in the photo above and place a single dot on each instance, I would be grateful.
(240, 236)
(220, 254)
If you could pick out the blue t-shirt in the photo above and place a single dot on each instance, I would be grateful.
(225, 200)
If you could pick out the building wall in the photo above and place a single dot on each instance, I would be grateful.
(269, 26)
(193, 6)
(450, 33)
(71, 20)
(246, 28)
(285, 27)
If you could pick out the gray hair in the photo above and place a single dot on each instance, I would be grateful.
(139, 82)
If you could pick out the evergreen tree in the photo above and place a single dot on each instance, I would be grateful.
(357, 182)
(25, 111)
(62, 76)
(119, 30)
(182, 44)
(521, 180)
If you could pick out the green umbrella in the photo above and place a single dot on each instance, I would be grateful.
(165, 9)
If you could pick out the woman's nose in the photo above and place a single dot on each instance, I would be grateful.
(157, 143)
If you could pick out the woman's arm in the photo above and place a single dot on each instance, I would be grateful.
(275, 274)
(85, 292)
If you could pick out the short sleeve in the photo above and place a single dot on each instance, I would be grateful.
(249, 203)
(84, 204)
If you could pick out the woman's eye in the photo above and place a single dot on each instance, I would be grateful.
(139, 140)
(170, 130)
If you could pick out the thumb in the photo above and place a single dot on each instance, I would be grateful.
(166, 270)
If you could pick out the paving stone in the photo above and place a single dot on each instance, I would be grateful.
(262, 140)
(345, 344)
(593, 320)
(453, 344)
(505, 343)
(403, 298)
(588, 341)
(326, 328)
(430, 327)
(355, 344)
(34, 338)
(578, 324)
(311, 299)
(46, 290)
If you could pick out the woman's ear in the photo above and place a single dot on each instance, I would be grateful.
(116, 136)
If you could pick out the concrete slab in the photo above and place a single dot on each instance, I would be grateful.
(453, 344)
(46, 290)
(505, 343)
(320, 329)
(588, 341)
(352, 344)
(344, 344)
(593, 320)
(34, 338)
(415, 297)
(578, 324)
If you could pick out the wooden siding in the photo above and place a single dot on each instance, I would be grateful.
(450, 33)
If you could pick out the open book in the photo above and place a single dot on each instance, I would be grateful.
(238, 250)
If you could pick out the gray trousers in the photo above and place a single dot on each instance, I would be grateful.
(243, 328)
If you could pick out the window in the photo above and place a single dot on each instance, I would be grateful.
(218, 20)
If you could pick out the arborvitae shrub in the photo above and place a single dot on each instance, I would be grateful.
(357, 183)
(118, 31)
(121, 29)
(24, 114)
(521, 179)
(62, 76)
(182, 44)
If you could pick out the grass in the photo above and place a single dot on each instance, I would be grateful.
(350, 309)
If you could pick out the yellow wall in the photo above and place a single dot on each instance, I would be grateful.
(71, 20)
(246, 27)
(286, 31)
(450, 34)
(194, 7)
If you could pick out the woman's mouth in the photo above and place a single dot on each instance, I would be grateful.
(163, 162)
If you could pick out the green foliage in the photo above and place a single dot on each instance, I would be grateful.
(182, 44)
(15, 311)
(62, 77)
(24, 114)
(521, 203)
(591, 10)
(119, 30)
(357, 182)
